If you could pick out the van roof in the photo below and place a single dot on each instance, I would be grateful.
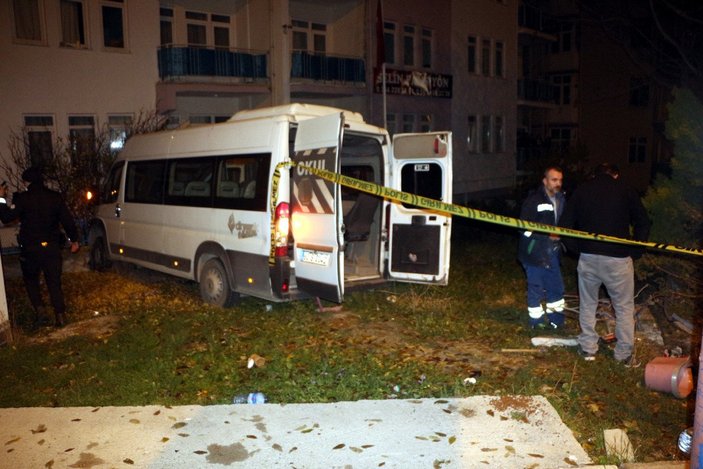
(297, 111)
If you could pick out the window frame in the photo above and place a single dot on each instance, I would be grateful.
(486, 140)
(486, 46)
(39, 128)
(499, 59)
(165, 18)
(117, 5)
(81, 24)
(472, 133)
(389, 41)
(426, 47)
(472, 55)
(39, 23)
(409, 33)
(637, 150)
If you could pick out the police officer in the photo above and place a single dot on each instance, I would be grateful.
(40, 212)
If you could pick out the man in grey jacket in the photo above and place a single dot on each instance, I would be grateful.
(605, 205)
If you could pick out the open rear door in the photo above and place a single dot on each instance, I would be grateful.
(420, 239)
(316, 216)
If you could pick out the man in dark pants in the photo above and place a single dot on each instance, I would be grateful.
(605, 205)
(540, 254)
(40, 212)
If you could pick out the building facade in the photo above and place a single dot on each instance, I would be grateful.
(73, 67)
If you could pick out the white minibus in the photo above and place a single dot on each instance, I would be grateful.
(211, 203)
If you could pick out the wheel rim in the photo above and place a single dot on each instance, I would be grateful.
(214, 284)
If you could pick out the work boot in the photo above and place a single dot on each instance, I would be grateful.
(556, 320)
(60, 320)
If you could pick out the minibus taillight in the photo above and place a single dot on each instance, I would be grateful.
(282, 227)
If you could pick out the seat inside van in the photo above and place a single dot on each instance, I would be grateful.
(197, 189)
(229, 189)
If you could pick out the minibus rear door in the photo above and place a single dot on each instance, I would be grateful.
(315, 209)
(419, 238)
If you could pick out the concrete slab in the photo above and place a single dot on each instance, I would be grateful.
(480, 431)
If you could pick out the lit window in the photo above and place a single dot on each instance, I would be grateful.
(118, 126)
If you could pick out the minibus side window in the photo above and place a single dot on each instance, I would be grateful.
(242, 182)
(145, 182)
(423, 179)
(111, 189)
(190, 182)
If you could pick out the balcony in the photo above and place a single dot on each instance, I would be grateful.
(536, 91)
(327, 67)
(534, 22)
(182, 61)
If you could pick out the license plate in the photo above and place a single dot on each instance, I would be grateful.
(315, 257)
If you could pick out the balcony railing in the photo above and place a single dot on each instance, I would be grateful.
(327, 67)
(200, 61)
(536, 90)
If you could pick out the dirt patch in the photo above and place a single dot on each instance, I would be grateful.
(98, 327)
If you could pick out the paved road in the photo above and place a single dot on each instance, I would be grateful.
(479, 431)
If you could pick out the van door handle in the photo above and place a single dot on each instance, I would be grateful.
(118, 211)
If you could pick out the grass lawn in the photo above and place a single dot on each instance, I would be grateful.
(137, 338)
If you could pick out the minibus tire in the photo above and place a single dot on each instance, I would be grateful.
(99, 258)
(214, 285)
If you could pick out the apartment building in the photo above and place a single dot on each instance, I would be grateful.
(73, 67)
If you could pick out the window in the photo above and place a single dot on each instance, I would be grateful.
(498, 59)
(639, 92)
(638, 150)
(28, 20)
(408, 123)
(472, 134)
(81, 137)
(111, 189)
(562, 89)
(166, 26)
(498, 134)
(72, 23)
(485, 134)
(40, 135)
(196, 27)
(471, 58)
(423, 179)
(426, 48)
(118, 127)
(113, 24)
(426, 123)
(565, 38)
(303, 31)
(560, 138)
(409, 45)
(145, 182)
(220, 31)
(389, 42)
(391, 124)
(242, 182)
(486, 57)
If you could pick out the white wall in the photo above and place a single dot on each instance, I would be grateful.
(53, 80)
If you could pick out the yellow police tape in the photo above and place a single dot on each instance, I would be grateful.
(474, 214)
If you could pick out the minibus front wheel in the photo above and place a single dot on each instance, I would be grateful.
(215, 288)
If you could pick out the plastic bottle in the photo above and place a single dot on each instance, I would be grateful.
(251, 398)
(685, 440)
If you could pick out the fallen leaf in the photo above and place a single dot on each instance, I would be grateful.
(200, 451)
(339, 446)
(12, 441)
(164, 439)
(40, 429)
(127, 461)
(135, 421)
(355, 449)
(178, 425)
(49, 464)
(277, 447)
(452, 439)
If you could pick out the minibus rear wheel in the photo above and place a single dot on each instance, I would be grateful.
(214, 285)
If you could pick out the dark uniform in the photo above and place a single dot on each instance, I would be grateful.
(40, 212)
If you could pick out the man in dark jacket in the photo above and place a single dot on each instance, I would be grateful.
(605, 205)
(540, 254)
(40, 212)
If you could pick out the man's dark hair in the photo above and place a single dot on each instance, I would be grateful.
(607, 168)
(552, 168)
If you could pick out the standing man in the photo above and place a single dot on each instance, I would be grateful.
(605, 205)
(40, 212)
(540, 253)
